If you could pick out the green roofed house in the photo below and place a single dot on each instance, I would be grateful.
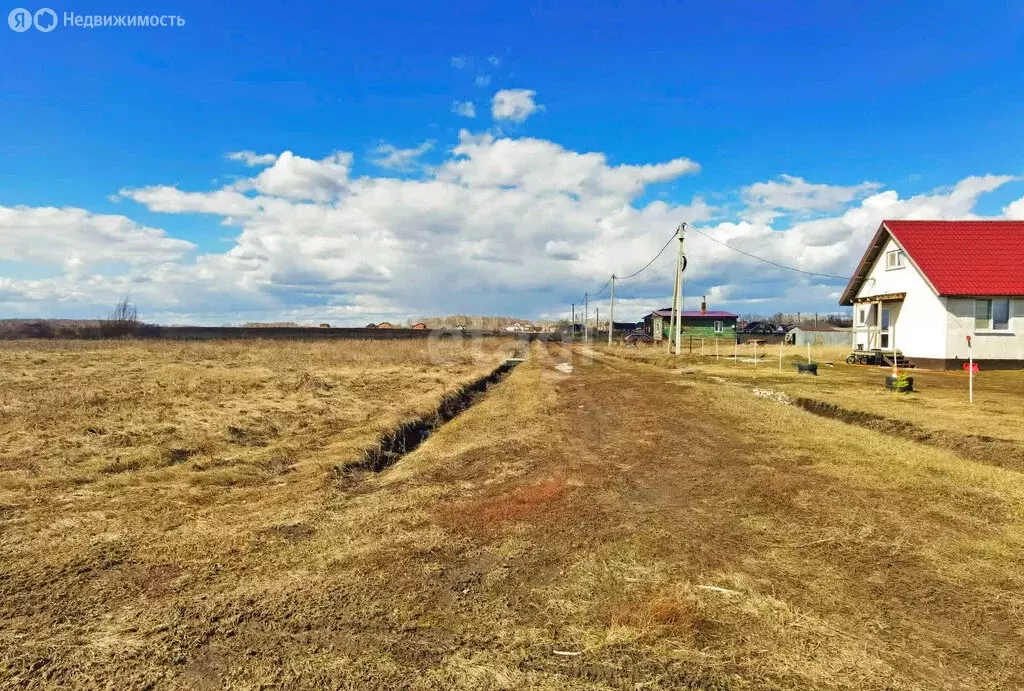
(701, 323)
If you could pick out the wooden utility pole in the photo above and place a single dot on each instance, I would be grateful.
(681, 262)
(572, 330)
(597, 320)
(586, 317)
(611, 312)
(675, 298)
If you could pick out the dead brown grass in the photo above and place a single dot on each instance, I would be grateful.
(820, 554)
(604, 528)
(132, 471)
(670, 612)
(229, 412)
(939, 405)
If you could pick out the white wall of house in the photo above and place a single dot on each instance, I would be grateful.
(986, 343)
(920, 320)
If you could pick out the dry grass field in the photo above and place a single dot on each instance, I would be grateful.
(992, 428)
(133, 472)
(171, 517)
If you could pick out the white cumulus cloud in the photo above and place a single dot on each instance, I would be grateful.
(392, 157)
(252, 159)
(1015, 210)
(515, 105)
(464, 108)
(765, 200)
(74, 237)
(512, 225)
(295, 177)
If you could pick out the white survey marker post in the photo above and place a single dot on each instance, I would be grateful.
(970, 372)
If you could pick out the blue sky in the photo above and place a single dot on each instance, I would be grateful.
(898, 103)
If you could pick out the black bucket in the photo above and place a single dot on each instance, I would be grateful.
(807, 368)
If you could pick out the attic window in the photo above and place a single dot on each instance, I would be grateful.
(894, 260)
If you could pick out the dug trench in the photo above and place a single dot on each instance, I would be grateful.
(408, 436)
(1004, 453)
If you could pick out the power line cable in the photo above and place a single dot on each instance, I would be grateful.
(768, 261)
(648, 264)
(606, 284)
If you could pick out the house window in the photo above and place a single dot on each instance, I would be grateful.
(992, 315)
(894, 259)
(862, 315)
(1001, 315)
(719, 327)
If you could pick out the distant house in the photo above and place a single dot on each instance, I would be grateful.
(419, 326)
(762, 332)
(325, 326)
(818, 335)
(926, 287)
(762, 328)
(386, 325)
(702, 323)
(515, 327)
(371, 326)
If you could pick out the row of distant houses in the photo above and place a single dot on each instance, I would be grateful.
(720, 325)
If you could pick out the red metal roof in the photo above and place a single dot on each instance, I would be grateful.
(966, 257)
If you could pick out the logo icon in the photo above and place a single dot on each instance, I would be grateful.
(20, 20)
(45, 20)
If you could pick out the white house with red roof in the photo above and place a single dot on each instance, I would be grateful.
(923, 287)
